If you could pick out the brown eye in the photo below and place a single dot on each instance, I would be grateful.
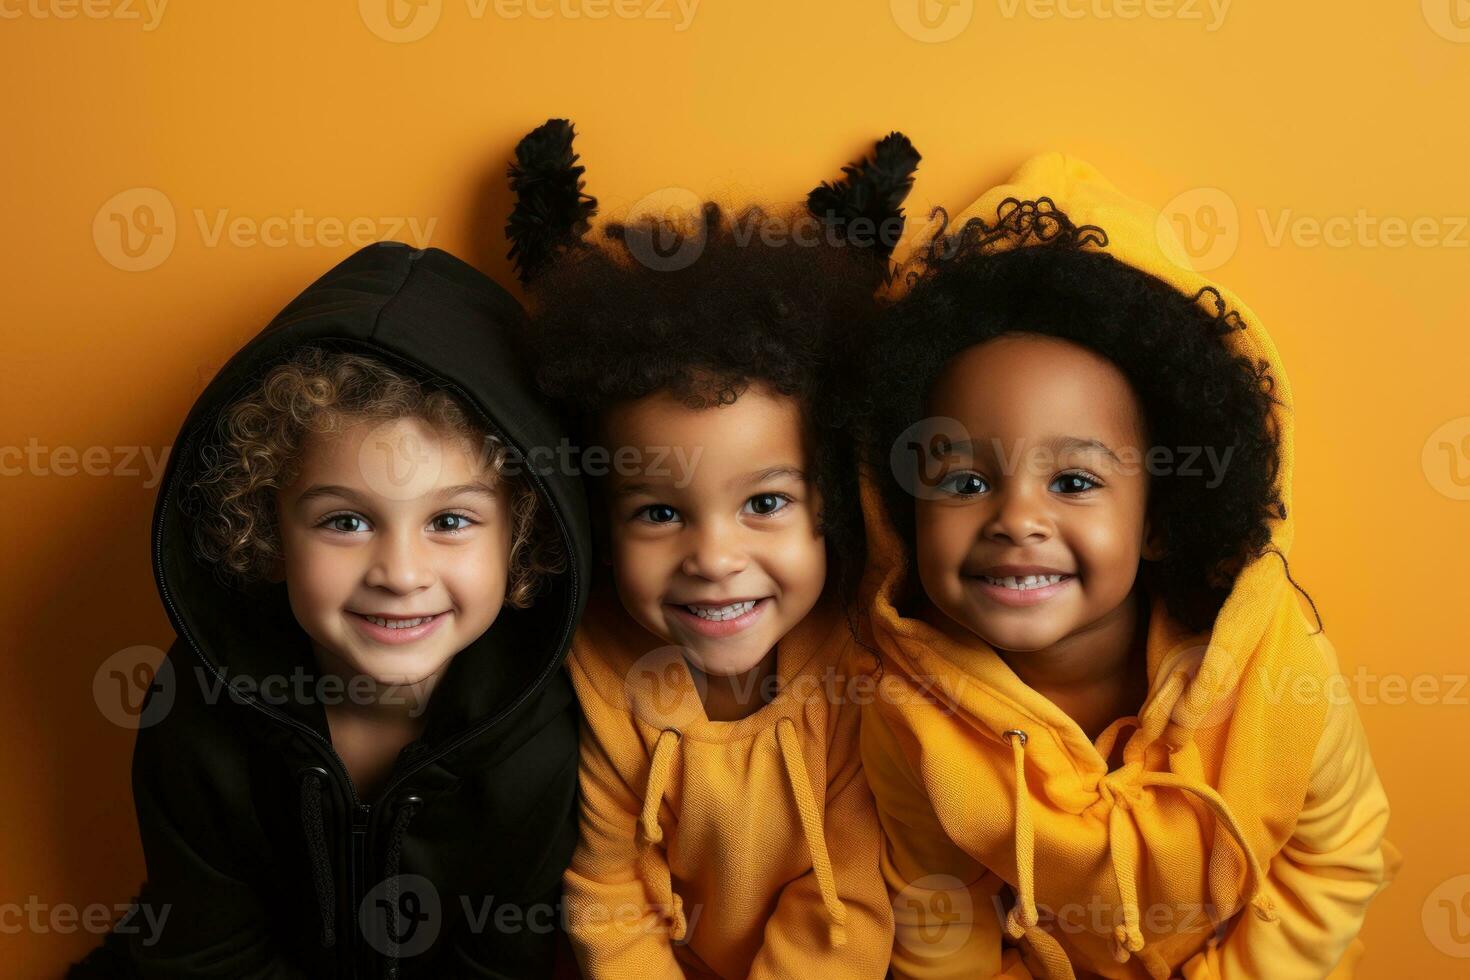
(452, 523)
(1073, 483)
(766, 504)
(658, 514)
(344, 523)
(964, 484)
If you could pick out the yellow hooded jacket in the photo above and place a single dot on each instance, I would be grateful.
(1242, 834)
(724, 849)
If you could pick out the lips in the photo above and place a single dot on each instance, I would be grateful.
(398, 629)
(718, 611)
(1024, 582)
(1007, 571)
(724, 618)
(399, 621)
(1021, 590)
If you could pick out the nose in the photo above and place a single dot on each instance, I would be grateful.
(400, 563)
(1019, 517)
(717, 551)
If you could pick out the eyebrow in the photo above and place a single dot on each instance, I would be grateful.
(749, 479)
(770, 473)
(347, 493)
(1058, 444)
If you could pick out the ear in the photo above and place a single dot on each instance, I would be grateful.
(1153, 541)
(551, 214)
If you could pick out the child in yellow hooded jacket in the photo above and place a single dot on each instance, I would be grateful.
(1107, 741)
(727, 830)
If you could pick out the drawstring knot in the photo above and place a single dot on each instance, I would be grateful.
(1123, 793)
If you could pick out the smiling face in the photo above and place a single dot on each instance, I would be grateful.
(1036, 527)
(396, 546)
(715, 537)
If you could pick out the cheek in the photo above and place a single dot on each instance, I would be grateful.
(480, 573)
(641, 568)
(942, 537)
(319, 578)
(1109, 545)
(798, 562)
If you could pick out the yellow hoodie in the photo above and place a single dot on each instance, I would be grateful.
(1246, 795)
(724, 849)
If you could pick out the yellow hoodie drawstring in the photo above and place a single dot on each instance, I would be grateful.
(1123, 848)
(811, 829)
(653, 798)
(1021, 920)
(1170, 693)
(1123, 840)
(1256, 884)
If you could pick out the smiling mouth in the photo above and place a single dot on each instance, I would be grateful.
(1023, 583)
(720, 613)
(400, 623)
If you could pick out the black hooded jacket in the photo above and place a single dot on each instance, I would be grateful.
(258, 848)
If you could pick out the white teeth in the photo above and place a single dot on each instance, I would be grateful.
(398, 624)
(719, 613)
(1022, 583)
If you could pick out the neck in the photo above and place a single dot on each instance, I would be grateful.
(1096, 675)
(736, 696)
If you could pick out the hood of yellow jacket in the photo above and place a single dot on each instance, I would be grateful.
(1216, 745)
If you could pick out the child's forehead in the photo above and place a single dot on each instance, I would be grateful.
(659, 438)
(1036, 387)
(400, 457)
(663, 416)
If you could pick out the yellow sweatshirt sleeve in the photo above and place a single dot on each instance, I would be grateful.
(944, 901)
(617, 930)
(1336, 861)
(796, 937)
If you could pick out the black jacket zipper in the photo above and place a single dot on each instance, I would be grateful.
(357, 876)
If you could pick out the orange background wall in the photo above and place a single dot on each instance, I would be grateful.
(1289, 112)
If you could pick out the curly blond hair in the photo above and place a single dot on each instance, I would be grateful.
(256, 450)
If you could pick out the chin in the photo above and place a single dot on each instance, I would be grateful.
(1017, 641)
(725, 663)
(395, 672)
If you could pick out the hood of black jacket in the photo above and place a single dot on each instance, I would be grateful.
(437, 318)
